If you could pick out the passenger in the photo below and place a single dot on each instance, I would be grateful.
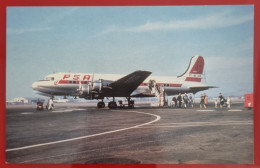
(228, 102)
(179, 99)
(191, 100)
(216, 103)
(205, 100)
(185, 100)
(202, 101)
(174, 101)
(221, 100)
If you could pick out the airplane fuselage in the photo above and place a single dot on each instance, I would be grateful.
(135, 84)
(68, 83)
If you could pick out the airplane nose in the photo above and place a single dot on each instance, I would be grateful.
(34, 85)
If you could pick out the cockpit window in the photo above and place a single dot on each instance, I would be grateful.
(49, 78)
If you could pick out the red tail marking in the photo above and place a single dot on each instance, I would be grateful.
(198, 66)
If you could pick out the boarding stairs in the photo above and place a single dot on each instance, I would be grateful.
(160, 93)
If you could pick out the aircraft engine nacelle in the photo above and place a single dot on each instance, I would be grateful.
(100, 84)
(97, 86)
(85, 91)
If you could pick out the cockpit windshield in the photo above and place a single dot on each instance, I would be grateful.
(49, 79)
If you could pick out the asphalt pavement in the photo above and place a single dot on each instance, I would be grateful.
(77, 133)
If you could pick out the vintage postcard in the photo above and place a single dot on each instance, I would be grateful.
(130, 84)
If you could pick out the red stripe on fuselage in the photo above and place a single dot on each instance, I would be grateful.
(72, 82)
(192, 79)
(63, 82)
(175, 85)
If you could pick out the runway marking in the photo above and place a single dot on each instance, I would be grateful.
(199, 124)
(114, 147)
(26, 113)
(83, 137)
(66, 110)
(206, 110)
(235, 110)
(183, 123)
(62, 111)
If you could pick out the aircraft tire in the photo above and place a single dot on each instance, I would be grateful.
(101, 105)
(112, 105)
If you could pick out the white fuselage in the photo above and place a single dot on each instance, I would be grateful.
(69, 83)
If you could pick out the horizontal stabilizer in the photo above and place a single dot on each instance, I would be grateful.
(196, 89)
(203, 87)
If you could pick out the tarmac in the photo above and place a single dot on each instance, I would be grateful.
(82, 134)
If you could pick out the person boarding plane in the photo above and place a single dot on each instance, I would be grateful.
(136, 84)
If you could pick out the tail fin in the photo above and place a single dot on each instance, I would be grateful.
(194, 72)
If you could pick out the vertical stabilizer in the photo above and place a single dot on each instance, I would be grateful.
(195, 70)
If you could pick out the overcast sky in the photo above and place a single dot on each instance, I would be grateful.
(43, 40)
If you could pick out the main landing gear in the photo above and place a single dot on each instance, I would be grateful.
(113, 105)
(101, 104)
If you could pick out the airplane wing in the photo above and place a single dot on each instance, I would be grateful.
(124, 86)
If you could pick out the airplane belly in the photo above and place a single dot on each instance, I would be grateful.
(176, 90)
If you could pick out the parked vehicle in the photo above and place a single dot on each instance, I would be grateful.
(249, 100)
(39, 105)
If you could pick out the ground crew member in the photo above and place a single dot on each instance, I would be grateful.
(51, 106)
